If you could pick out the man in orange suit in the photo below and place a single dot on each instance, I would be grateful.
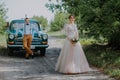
(27, 39)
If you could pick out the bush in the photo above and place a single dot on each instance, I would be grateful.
(114, 40)
(104, 58)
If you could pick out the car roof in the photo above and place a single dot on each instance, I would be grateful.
(22, 20)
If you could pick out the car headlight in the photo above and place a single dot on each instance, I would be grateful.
(11, 36)
(45, 36)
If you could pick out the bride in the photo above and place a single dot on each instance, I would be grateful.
(72, 58)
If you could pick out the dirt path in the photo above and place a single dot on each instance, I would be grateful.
(40, 68)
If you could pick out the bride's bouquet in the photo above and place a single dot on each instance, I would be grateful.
(75, 40)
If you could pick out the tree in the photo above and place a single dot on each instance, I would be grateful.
(98, 18)
(43, 21)
(59, 21)
(3, 17)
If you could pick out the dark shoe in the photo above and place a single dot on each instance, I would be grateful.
(32, 56)
(27, 57)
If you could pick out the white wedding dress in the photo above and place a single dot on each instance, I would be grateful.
(72, 58)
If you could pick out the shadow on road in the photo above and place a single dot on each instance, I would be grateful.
(21, 54)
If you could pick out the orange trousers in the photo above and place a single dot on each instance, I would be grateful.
(27, 40)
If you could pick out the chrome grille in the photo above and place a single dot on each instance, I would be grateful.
(34, 41)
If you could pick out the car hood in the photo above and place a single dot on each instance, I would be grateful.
(20, 33)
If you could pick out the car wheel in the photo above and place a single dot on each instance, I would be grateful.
(42, 52)
(10, 52)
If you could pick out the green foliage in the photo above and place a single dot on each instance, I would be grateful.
(104, 58)
(59, 34)
(58, 22)
(3, 17)
(114, 73)
(43, 21)
(97, 18)
(114, 40)
(55, 6)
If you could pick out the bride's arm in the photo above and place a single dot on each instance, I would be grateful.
(66, 29)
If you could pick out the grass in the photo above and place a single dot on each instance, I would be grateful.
(59, 34)
(2, 40)
(3, 49)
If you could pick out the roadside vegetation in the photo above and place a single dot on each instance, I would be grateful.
(3, 48)
(103, 57)
(3, 27)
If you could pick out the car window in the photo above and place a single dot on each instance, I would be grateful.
(20, 26)
(34, 26)
(17, 26)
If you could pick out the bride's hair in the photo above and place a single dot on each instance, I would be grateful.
(71, 16)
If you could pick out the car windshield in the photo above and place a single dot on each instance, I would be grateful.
(20, 26)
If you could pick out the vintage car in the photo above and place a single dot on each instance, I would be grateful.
(15, 37)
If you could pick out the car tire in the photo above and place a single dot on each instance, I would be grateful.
(42, 52)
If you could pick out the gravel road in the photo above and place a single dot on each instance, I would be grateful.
(40, 68)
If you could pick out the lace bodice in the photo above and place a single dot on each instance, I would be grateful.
(71, 31)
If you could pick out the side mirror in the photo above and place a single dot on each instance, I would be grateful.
(43, 29)
(7, 24)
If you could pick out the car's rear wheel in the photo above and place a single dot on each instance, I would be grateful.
(43, 51)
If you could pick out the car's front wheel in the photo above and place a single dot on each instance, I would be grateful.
(43, 51)
(10, 52)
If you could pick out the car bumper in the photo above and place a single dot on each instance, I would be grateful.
(32, 46)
